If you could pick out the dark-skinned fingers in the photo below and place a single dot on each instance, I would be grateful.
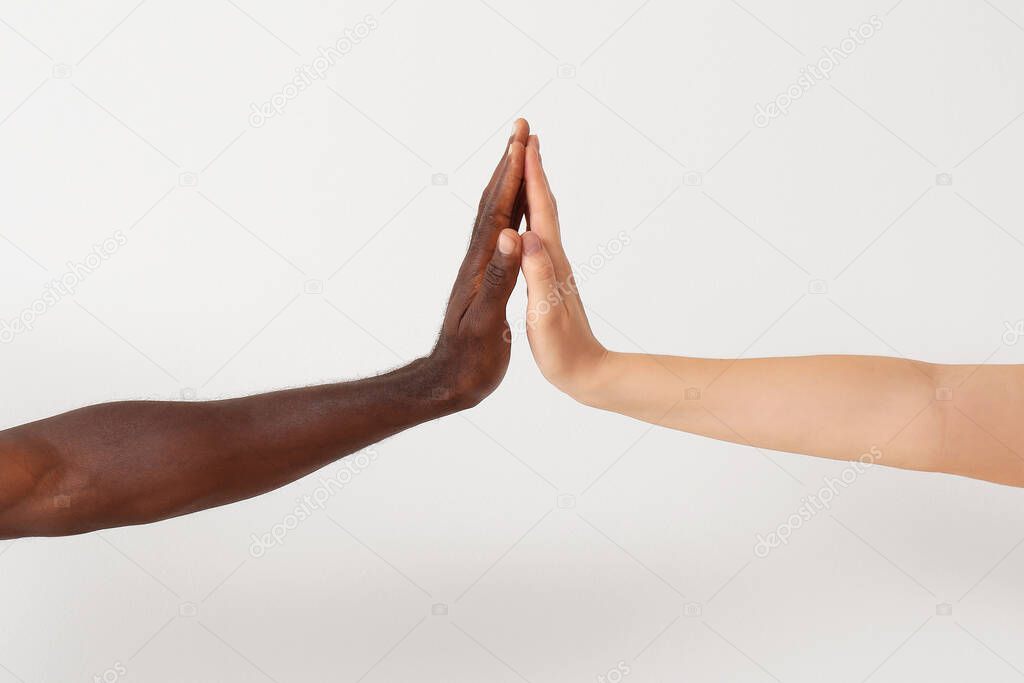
(519, 209)
(520, 133)
(498, 280)
(496, 215)
(481, 248)
(484, 236)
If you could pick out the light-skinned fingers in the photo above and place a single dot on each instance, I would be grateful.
(542, 217)
(544, 177)
(541, 281)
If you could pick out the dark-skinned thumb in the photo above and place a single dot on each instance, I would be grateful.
(499, 277)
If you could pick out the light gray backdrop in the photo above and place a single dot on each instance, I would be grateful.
(531, 538)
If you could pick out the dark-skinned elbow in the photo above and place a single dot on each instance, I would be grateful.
(38, 494)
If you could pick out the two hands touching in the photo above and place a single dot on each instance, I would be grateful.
(955, 419)
(135, 462)
(475, 335)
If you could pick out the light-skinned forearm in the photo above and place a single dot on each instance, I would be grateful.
(943, 418)
(959, 419)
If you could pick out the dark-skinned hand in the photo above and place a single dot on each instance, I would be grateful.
(474, 345)
(133, 462)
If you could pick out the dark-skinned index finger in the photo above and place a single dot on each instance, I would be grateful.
(521, 133)
(485, 232)
(496, 211)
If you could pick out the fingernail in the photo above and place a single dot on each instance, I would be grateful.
(531, 243)
(506, 243)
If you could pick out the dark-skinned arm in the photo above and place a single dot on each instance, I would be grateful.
(136, 462)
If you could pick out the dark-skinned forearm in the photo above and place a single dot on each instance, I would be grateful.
(130, 463)
(135, 462)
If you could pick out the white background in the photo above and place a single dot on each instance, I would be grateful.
(645, 110)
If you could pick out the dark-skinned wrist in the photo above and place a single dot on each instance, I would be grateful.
(431, 380)
(457, 378)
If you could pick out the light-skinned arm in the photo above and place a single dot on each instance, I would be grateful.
(958, 419)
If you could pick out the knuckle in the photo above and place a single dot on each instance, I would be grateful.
(490, 214)
(545, 271)
(494, 274)
(496, 217)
